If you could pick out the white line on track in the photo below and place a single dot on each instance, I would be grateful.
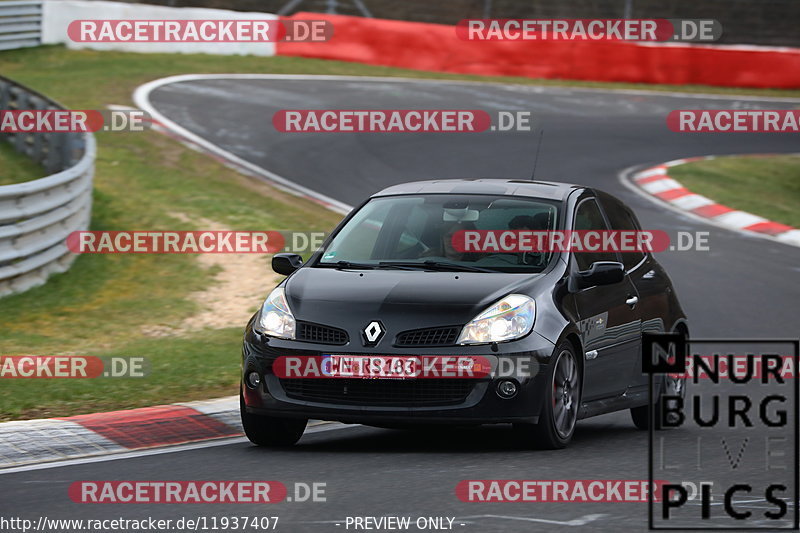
(787, 501)
(158, 451)
(141, 98)
(581, 521)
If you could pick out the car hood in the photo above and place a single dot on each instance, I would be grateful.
(401, 299)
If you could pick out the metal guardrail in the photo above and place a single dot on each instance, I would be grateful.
(20, 23)
(37, 216)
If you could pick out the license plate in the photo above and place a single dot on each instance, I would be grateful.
(370, 367)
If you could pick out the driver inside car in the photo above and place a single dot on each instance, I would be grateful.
(445, 248)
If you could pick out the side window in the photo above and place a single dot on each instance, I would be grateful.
(363, 238)
(588, 217)
(621, 219)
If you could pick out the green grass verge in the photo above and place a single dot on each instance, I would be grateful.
(765, 186)
(17, 168)
(101, 305)
(177, 369)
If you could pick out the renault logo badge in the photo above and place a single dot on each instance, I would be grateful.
(373, 333)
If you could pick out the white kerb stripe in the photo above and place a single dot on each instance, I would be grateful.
(650, 172)
(666, 184)
(691, 201)
(738, 219)
(225, 410)
(791, 237)
(217, 405)
(33, 441)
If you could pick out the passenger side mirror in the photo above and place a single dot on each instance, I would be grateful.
(600, 273)
(285, 264)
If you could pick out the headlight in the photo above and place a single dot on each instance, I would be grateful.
(508, 319)
(276, 318)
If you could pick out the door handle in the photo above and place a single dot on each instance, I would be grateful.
(632, 300)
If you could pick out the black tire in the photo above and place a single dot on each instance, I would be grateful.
(641, 417)
(561, 404)
(270, 431)
(669, 385)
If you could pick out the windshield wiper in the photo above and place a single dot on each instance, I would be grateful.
(436, 265)
(348, 264)
(365, 266)
(443, 266)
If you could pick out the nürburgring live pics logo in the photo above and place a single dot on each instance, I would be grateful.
(730, 445)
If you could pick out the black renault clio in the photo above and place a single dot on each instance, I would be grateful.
(559, 332)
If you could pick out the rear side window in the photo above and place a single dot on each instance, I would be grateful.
(588, 217)
(622, 219)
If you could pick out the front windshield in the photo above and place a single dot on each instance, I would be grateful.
(419, 230)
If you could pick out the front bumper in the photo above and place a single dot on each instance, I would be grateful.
(391, 401)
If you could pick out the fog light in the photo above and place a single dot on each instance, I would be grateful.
(253, 380)
(506, 389)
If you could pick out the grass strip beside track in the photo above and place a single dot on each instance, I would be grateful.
(105, 305)
(16, 167)
(764, 186)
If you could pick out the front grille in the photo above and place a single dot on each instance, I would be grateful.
(380, 392)
(306, 331)
(428, 337)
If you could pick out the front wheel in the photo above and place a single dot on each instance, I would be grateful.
(270, 431)
(560, 407)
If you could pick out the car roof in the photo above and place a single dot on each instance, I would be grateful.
(550, 190)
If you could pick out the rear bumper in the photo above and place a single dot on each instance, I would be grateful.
(524, 362)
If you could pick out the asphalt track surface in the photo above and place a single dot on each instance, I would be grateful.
(744, 287)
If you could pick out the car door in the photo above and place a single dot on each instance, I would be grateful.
(609, 318)
(645, 274)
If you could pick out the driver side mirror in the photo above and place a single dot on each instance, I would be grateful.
(600, 273)
(285, 264)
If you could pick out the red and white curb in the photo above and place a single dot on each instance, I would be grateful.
(37, 441)
(32, 442)
(656, 182)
